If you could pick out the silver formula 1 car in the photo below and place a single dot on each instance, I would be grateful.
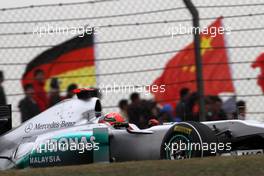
(69, 133)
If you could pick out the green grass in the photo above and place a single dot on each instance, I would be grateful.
(218, 166)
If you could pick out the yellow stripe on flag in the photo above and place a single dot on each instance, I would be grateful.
(83, 77)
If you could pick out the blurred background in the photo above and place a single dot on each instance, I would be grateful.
(133, 45)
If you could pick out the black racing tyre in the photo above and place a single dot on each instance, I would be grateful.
(188, 140)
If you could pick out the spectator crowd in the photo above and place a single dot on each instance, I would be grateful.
(142, 112)
(135, 110)
(36, 97)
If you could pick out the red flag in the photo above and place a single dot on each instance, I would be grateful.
(180, 71)
(259, 62)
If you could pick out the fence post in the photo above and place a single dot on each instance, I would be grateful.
(198, 58)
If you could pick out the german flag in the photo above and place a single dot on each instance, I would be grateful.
(70, 62)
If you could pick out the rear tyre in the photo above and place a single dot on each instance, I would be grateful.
(188, 140)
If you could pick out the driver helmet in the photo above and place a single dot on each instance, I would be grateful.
(112, 118)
